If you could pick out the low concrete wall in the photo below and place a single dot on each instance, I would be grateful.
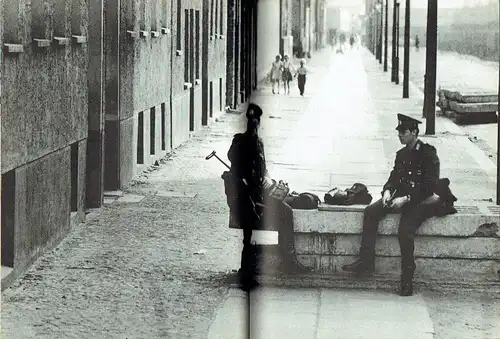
(445, 247)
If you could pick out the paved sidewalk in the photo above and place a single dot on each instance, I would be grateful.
(343, 132)
(321, 314)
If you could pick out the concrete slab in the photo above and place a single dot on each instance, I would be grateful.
(388, 246)
(357, 314)
(172, 194)
(113, 193)
(427, 269)
(274, 313)
(463, 225)
(130, 198)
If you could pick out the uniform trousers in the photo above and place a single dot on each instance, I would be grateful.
(412, 217)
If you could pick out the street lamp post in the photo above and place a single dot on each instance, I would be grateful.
(386, 33)
(396, 70)
(380, 41)
(406, 66)
(393, 64)
(430, 68)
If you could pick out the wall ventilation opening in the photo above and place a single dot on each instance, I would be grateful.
(8, 217)
(74, 177)
(211, 99)
(163, 121)
(152, 130)
(140, 138)
(220, 95)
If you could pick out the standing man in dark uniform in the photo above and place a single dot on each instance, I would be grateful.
(409, 190)
(249, 204)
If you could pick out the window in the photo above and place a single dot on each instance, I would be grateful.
(74, 177)
(216, 16)
(140, 138)
(163, 118)
(179, 24)
(186, 44)
(8, 217)
(221, 19)
(212, 17)
(197, 46)
(152, 130)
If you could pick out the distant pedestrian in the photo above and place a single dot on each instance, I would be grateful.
(417, 42)
(301, 76)
(287, 74)
(276, 72)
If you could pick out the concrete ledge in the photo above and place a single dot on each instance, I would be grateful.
(481, 107)
(376, 282)
(351, 222)
(388, 246)
(446, 269)
(432, 271)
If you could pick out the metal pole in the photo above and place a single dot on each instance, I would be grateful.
(375, 22)
(380, 41)
(396, 71)
(393, 67)
(406, 66)
(386, 33)
(430, 67)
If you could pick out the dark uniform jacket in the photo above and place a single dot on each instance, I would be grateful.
(247, 161)
(415, 172)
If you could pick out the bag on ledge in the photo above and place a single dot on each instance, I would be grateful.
(303, 201)
(356, 195)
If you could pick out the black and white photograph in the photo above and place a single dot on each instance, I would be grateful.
(250, 169)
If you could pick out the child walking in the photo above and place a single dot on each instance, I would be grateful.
(301, 73)
(276, 72)
(287, 74)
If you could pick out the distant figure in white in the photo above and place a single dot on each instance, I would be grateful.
(276, 70)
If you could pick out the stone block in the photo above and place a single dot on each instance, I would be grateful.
(459, 225)
(477, 97)
(388, 246)
(481, 107)
(445, 269)
(42, 217)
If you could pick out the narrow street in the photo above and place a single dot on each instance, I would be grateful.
(154, 262)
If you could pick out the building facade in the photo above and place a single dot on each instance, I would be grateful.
(44, 125)
(214, 58)
(94, 92)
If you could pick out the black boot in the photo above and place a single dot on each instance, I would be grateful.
(406, 285)
(293, 266)
(289, 260)
(406, 288)
(247, 274)
(360, 267)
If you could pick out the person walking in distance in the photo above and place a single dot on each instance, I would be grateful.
(301, 76)
(417, 42)
(276, 70)
(410, 191)
(287, 74)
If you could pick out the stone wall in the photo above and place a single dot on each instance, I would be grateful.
(44, 123)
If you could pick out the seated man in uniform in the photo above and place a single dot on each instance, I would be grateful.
(409, 190)
(248, 201)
